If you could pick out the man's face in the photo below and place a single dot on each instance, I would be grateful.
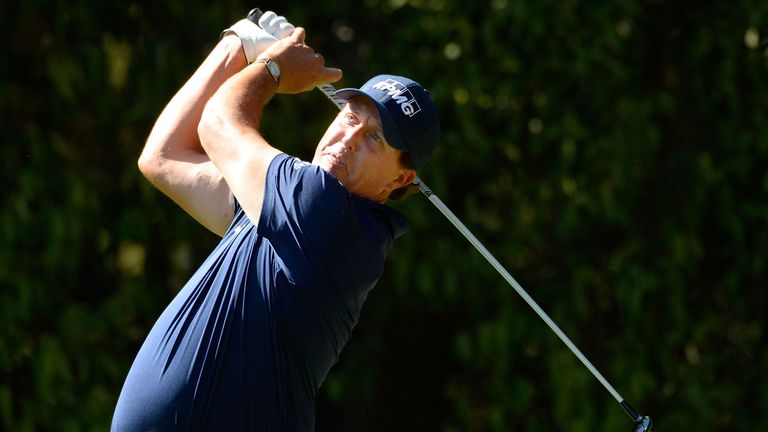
(355, 151)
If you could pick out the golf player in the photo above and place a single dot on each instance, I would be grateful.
(249, 339)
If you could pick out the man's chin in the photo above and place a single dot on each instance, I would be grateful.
(337, 171)
(333, 167)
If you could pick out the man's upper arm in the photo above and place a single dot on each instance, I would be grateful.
(308, 216)
(242, 156)
(193, 182)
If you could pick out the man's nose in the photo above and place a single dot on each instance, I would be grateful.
(352, 138)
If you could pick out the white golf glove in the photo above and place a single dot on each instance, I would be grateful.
(257, 38)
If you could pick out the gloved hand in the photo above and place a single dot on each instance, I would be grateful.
(257, 38)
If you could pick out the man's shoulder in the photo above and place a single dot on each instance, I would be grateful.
(291, 171)
(392, 222)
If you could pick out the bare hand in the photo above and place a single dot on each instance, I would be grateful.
(301, 68)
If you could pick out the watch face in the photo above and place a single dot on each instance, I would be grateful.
(274, 69)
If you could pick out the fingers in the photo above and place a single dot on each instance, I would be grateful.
(266, 20)
(277, 26)
(302, 68)
(325, 74)
(329, 75)
(298, 35)
(284, 27)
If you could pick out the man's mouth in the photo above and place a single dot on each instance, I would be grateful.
(336, 161)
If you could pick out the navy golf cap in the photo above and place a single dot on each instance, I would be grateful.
(408, 115)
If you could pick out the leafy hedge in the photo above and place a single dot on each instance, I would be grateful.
(612, 154)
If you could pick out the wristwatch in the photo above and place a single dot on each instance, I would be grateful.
(273, 68)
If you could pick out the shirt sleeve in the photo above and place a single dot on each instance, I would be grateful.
(307, 214)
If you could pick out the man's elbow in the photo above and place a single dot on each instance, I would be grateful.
(149, 164)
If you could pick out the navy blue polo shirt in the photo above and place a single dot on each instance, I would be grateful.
(248, 341)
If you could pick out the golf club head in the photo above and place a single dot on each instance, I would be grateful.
(644, 424)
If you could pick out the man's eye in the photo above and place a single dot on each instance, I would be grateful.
(349, 118)
(375, 136)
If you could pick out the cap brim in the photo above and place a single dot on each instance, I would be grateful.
(391, 131)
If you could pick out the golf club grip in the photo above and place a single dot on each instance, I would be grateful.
(328, 90)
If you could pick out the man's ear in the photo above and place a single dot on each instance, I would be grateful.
(404, 179)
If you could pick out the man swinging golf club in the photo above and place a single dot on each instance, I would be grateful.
(248, 341)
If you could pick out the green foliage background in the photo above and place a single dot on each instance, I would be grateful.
(612, 154)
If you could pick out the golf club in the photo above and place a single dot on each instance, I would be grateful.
(642, 423)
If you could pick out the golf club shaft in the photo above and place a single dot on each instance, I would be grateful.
(330, 92)
(517, 287)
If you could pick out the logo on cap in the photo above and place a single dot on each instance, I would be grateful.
(401, 95)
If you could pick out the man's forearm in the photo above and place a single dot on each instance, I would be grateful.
(235, 110)
(236, 107)
(175, 131)
(229, 128)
